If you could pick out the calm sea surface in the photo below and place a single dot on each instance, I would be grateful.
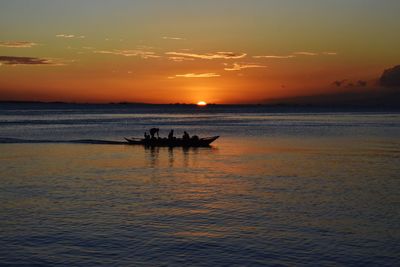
(282, 187)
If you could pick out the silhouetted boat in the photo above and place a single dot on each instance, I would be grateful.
(201, 142)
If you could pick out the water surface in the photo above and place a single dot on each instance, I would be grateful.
(278, 188)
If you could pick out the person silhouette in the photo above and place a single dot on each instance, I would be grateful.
(171, 135)
(154, 131)
(185, 136)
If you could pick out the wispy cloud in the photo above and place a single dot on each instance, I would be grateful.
(180, 59)
(237, 66)
(173, 38)
(306, 53)
(217, 55)
(63, 35)
(117, 40)
(195, 75)
(296, 54)
(129, 53)
(17, 44)
(13, 61)
(275, 56)
(329, 53)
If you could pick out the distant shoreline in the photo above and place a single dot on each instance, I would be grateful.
(212, 105)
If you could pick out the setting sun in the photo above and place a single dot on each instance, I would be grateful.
(201, 103)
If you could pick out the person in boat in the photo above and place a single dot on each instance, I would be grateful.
(195, 138)
(185, 136)
(154, 131)
(171, 135)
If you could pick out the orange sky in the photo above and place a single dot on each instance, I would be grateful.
(181, 51)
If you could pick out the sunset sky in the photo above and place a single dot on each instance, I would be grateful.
(220, 51)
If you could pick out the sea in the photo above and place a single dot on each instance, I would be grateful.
(282, 186)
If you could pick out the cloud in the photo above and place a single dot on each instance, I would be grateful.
(129, 53)
(180, 59)
(144, 47)
(172, 38)
(359, 83)
(275, 57)
(217, 55)
(390, 77)
(11, 60)
(295, 54)
(14, 61)
(237, 66)
(17, 44)
(307, 53)
(339, 83)
(63, 35)
(329, 53)
(196, 75)
(303, 53)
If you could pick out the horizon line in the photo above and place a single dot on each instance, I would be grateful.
(281, 104)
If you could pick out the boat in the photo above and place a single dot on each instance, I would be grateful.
(176, 142)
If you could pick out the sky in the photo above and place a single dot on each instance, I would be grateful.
(184, 51)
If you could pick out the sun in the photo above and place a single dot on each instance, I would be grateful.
(201, 103)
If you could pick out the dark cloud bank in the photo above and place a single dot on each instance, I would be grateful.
(11, 60)
(391, 78)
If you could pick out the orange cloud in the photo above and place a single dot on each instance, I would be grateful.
(63, 35)
(217, 55)
(303, 53)
(180, 59)
(315, 53)
(18, 44)
(196, 75)
(237, 66)
(172, 38)
(275, 57)
(129, 53)
(329, 53)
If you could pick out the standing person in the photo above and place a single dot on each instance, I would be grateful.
(171, 135)
(154, 131)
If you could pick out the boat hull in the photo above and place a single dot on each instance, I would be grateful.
(202, 142)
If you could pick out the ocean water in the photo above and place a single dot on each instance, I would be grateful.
(280, 187)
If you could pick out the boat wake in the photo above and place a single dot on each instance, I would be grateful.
(6, 140)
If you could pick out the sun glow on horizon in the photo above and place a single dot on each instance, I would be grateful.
(201, 103)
